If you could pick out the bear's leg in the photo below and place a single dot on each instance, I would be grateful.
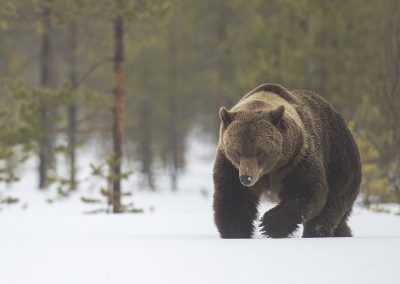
(234, 214)
(315, 228)
(324, 224)
(343, 229)
(235, 206)
(281, 221)
(303, 197)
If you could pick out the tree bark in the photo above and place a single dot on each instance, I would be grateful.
(224, 66)
(173, 118)
(118, 109)
(146, 152)
(45, 143)
(72, 109)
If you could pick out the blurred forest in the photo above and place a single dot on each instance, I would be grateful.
(138, 76)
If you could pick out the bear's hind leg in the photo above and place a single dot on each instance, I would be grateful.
(325, 223)
(343, 229)
(316, 229)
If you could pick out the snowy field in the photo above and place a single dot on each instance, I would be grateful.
(175, 241)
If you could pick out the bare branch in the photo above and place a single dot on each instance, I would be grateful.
(91, 69)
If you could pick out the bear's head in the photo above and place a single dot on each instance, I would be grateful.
(254, 141)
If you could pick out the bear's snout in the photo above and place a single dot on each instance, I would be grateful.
(248, 171)
(246, 180)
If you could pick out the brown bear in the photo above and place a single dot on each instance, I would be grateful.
(294, 146)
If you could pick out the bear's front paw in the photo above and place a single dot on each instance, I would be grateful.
(276, 224)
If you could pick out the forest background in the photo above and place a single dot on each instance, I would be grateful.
(136, 77)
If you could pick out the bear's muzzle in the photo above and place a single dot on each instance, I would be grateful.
(248, 171)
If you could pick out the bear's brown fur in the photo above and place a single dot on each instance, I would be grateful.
(290, 144)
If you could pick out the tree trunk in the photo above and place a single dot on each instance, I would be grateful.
(173, 163)
(46, 143)
(146, 152)
(118, 109)
(72, 109)
(173, 140)
(224, 65)
(223, 68)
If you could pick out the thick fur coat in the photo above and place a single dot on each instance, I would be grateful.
(291, 145)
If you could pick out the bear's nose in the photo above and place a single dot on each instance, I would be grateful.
(246, 180)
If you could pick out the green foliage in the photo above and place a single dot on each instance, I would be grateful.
(103, 171)
(9, 200)
(90, 200)
(374, 186)
(105, 175)
(21, 127)
(6, 200)
(7, 10)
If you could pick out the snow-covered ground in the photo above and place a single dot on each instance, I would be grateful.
(175, 241)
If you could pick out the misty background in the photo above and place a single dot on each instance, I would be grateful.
(141, 80)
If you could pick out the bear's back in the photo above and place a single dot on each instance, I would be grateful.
(267, 101)
(307, 109)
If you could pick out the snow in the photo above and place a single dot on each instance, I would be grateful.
(175, 241)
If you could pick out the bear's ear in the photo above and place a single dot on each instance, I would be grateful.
(276, 116)
(226, 116)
